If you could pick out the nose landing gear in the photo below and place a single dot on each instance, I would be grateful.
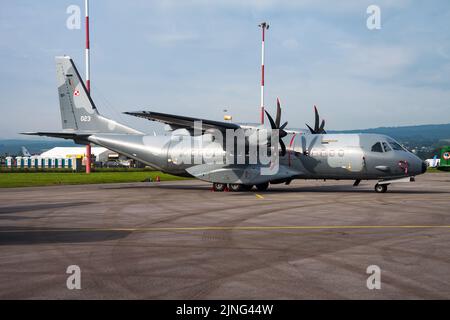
(381, 188)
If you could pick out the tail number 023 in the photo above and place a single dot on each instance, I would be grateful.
(85, 118)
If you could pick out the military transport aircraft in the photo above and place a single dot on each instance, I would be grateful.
(301, 155)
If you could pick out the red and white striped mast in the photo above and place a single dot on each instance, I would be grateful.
(88, 79)
(264, 26)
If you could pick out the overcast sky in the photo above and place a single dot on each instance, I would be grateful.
(198, 57)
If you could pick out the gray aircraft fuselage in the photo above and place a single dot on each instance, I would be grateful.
(309, 156)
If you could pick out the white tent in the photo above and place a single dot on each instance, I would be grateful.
(101, 154)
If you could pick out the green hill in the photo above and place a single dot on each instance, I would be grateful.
(424, 139)
(424, 134)
(14, 146)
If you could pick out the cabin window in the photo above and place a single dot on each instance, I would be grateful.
(395, 145)
(386, 147)
(377, 147)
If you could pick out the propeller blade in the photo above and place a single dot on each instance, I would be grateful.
(305, 151)
(322, 125)
(276, 125)
(317, 128)
(310, 129)
(272, 123)
(278, 116)
(316, 122)
(283, 148)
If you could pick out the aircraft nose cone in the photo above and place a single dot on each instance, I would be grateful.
(424, 166)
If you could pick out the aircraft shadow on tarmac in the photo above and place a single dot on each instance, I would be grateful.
(44, 206)
(350, 189)
(11, 212)
(289, 189)
(39, 235)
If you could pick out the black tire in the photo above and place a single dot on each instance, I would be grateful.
(247, 187)
(235, 187)
(262, 186)
(219, 187)
(380, 188)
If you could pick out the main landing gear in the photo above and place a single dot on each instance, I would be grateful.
(219, 187)
(236, 187)
(262, 186)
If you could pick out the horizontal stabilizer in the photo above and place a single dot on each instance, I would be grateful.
(77, 137)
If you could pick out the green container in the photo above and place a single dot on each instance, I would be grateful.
(444, 163)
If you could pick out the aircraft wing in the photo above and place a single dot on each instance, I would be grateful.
(176, 121)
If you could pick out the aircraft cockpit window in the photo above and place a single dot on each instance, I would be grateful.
(395, 145)
(377, 147)
(386, 147)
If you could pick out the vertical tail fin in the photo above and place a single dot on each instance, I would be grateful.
(78, 111)
(25, 152)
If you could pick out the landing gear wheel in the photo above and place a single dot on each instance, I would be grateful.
(235, 187)
(247, 187)
(262, 186)
(380, 188)
(219, 187)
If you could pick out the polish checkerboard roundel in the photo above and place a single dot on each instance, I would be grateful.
(76, 93)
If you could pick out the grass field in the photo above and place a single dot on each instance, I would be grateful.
(33, 179)
(435, 170)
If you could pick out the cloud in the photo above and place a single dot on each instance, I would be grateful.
(375, 61)
(197, 57)
(171, 39)
(290, 43)
(347, 6)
